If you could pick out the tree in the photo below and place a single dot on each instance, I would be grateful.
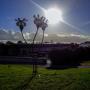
(40, 22)
(21, 23)
(44, 25)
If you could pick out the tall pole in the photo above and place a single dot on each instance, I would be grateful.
(35, 61)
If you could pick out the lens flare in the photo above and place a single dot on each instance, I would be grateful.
(53, 15)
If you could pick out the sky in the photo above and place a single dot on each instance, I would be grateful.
(76, 15)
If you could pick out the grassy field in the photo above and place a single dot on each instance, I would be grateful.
(17, 77)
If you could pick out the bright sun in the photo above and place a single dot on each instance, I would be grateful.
(53, 15)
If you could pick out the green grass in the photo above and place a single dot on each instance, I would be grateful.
(14, 77)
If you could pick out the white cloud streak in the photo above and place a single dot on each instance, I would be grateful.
(59, 37)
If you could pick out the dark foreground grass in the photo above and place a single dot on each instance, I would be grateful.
(17, 77)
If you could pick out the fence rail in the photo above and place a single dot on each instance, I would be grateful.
(22, 60)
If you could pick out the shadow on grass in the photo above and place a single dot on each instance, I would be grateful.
(24, 85)
(58, 67)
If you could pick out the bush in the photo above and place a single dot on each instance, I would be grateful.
(69, 57)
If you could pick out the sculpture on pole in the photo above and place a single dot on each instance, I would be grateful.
(21, 23)
(40, 22)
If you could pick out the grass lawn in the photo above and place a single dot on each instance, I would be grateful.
(16, 77)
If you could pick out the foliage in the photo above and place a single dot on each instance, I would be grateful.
(69, 56)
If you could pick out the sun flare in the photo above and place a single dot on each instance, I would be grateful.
(53, 15)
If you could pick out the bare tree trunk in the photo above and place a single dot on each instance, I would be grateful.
(23, 37)
(35, 61)
(35, 36)
(42, 37)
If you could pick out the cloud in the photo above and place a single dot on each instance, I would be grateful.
(59, 37)
(5, 35)
(74, 35)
